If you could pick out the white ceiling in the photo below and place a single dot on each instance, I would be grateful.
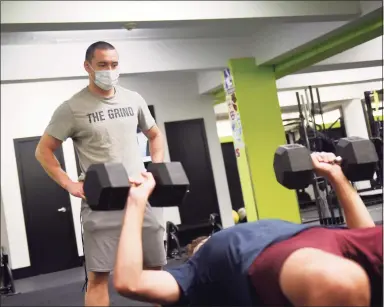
(228, 28)
(212, 29)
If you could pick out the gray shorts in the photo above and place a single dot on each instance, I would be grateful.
(101, 233)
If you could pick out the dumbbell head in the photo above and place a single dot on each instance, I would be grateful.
(293, 166)
(106, 186)
(359, 158)
(172, 184)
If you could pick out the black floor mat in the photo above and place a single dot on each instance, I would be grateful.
(67, 295)
(70, 295)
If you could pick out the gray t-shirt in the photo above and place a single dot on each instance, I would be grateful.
(103, 129)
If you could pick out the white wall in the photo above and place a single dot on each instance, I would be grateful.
(369, 51)
(27, 108)
(224, 128)
(351, 83)
(4, 233)
(331, 93)
(331, 78)
(136, 56)
(275, 40)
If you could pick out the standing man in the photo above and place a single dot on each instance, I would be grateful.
(102, 121)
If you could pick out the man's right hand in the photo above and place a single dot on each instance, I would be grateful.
(76, 189)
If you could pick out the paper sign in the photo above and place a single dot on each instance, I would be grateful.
(228, 81)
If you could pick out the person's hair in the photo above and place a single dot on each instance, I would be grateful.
(98, 45)
(191, 247)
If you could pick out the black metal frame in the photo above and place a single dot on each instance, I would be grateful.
(373, 129)
(333, 219)
(7, 283)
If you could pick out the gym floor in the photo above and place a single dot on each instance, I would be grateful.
(65, 288)
(62, 288)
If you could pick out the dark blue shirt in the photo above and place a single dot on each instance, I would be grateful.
(217, 275)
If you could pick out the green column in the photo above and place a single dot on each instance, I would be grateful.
(263, 132)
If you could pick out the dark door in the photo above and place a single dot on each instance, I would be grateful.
(47, 212)
(187, 143)
(233, 177)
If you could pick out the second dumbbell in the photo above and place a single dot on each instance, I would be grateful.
(106, 185)
(293, 165)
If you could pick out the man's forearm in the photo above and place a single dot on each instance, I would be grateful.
(356, 213)
(52, 167)
(129, 260)
(156, 148)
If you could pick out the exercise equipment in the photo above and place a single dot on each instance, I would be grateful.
(215, 221)
(378, 143)
(235, 217)
(7, 284)
(294, 170)
(310, 138)
(375, 127)
(106, 185)
(172, 244)
(242, 214)
(179, 236)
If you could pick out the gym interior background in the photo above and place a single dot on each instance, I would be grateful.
(178, 68)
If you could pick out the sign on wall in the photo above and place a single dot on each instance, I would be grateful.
(234, 115)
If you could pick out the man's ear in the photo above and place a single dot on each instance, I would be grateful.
(87, 67)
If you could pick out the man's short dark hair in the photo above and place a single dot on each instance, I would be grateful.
(98, 45)
(191, 247)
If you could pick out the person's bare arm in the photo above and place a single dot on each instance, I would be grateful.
(356, 213)
(45, 155)
(156, 144)
(129, 278)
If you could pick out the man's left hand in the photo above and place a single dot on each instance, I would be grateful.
(141, 187)
(326, 164)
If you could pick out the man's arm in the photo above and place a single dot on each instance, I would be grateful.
(148, 125)
(356, 213)
(45, 155)
(129, 278)
(156, 144)
(60, 127)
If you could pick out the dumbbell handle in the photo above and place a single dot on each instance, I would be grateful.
(338, 159)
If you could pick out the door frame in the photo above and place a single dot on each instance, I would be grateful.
(33, 270)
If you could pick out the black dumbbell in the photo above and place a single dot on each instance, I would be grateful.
(106, 185)
(294, 170)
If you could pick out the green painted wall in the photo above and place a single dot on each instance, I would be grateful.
(263, 132)
(226, 139)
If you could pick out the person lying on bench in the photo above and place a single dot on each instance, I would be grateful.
(267, 262)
